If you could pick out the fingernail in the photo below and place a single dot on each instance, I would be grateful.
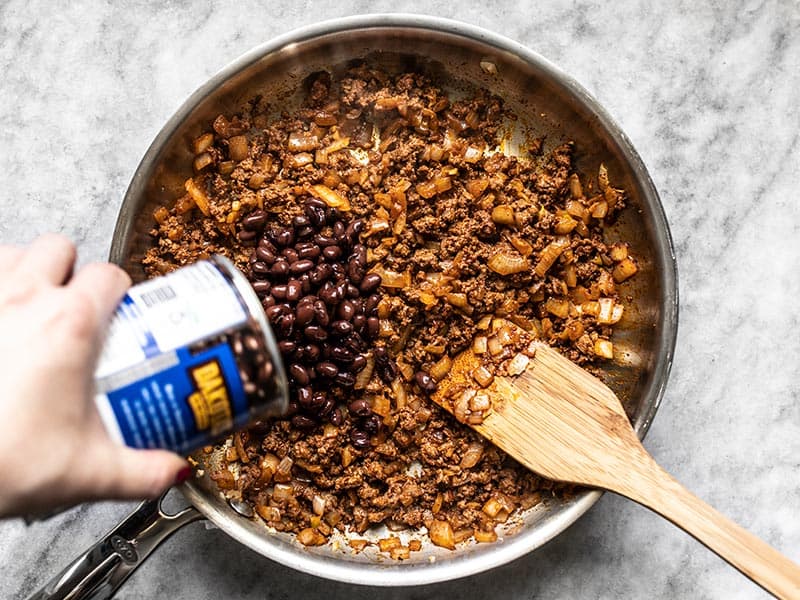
(183, 475)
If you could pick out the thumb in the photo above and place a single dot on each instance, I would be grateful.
(135, 474)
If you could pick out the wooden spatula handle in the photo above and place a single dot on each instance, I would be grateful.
(653, 487)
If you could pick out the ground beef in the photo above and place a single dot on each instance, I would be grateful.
(445, 211)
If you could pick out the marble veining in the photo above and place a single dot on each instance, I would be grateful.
(709, 95)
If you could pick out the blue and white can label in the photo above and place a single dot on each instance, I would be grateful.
(172, 372)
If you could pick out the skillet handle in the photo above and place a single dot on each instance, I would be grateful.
(97, 573)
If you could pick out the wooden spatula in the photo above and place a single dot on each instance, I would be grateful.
(565, 424)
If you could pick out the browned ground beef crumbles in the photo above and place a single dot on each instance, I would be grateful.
(386, 232)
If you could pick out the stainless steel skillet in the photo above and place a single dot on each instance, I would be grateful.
(459, 57)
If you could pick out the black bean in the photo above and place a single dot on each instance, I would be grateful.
(355, 271)
(279, 291)
(359, 362)
(353, 230)
(360, 254)
(290, 254)
(331, 253)
(360, 439)
(280, 268)
(339, 272)
(267, 301)
(324, 240)
(316, 215)
(370, 283)
(371, 304)
(292, 408)
(345, 379)
(373, 326)
(284, 237)
(300, 221)
(346, 310)
(315, 333)
(301, 266)
(310, 251)
(318, 400)
(424, 381)
(372, 424)
(261, 287)
(339, 229)
(320, 274)
(312, 352)
(336, 417)
(305, 283)
(327, 369)
(255, 221)
(332, 214)
(287, 346)
(300, 374)
(352, 291)
(274, 312)
(341, 355)
(321, 313)
(247, 236)
(305, 232)
(328, 294)
(358, 323)
(285, 325)
(359, 407)
(294, 289)
(326, 407)
(315, 202)
(303, 422)
(304, 313)
(304, 395)
(260, 268)
(266, 242)
(342, 327)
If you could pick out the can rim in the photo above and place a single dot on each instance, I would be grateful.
(279, 405)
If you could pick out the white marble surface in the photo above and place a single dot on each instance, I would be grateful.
(709, 95)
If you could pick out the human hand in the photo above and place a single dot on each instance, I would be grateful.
(55, 451)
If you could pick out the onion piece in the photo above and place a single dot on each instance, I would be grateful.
(441, 534)
(331, 197)
(311, 537)
(604, 348)
(365, 374)
(282, 492)
(301, 141)
(479, 344)
(503, 214)
(318, 504)
(198, 195)
(483, 376)
(518, 364)
(441, 368)
(283, 473)
(392, 279)
(202, 143)
(472, 455)
(505, 262)
(625, 269)
(549, 255)
(238, 147)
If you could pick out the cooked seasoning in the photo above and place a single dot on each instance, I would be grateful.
(386, 232)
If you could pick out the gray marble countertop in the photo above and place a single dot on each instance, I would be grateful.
(709, 95)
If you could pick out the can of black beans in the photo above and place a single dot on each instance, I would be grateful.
(189, 358)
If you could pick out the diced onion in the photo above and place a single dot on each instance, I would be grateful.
(479, 344)
(393, 279)
(518, 364)
(483, 376)
(301, 142)
(441, 534)
(238, 147)
(480, 402)
(282, 492)
(625, 269)
(311, 537)
(331, 197)
(550, 254)
(503, 214)
(604, 348)
(202, 143)
(505, 262)
(318, 504)
(284, 471)
(472, 456)
(441, 368)
(198, 195)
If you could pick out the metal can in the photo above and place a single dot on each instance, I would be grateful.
(189, 358)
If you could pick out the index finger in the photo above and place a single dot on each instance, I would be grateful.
(104, 284)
